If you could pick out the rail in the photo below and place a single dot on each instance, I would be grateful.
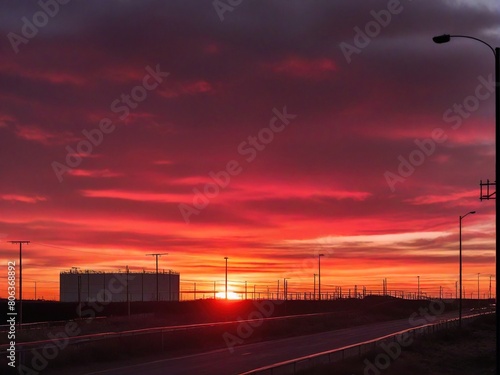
(293, 366)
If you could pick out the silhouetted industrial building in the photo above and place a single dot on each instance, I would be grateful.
(87, 286)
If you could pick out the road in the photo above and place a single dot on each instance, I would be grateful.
(252, 356)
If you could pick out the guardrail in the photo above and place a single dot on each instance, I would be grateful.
(293, 366)
(46, 324)
(78, 340)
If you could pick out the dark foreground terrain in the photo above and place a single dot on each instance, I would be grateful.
(470, 351)
(302, 317)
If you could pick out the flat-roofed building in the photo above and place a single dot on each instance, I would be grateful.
(87, 285)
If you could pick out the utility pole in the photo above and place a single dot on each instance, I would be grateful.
(169, 286)
(35, 290)
(142, 285)
(20, 277)
(314, 294)
(226, 258)
(285, 288)
(489, 291)
(478, 296)
(319, 274)
(157, 286)
(418, 287)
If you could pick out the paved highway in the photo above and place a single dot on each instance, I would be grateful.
(252, 356)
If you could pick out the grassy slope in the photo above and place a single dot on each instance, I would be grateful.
(469, 352)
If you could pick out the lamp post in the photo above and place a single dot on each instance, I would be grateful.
(226, 258)
(418, 287)
(489, 290)
(460, 261)
(445, 38)
(478, 288)
(285, 288)
(319, 275)
(314, 294)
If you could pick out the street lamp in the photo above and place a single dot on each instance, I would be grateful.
(314, 294)
(285, 288)
(319, 274)
(418, 287)
(489, 290)
(496, 52)
(226, 258)
(460, 256)
(478, 288)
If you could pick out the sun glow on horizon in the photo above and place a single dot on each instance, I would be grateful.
(230, 295)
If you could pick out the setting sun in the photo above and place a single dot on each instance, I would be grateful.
(230, 295)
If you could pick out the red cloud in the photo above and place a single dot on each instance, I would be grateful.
(37, 134)
(188, 88)
(304, 68)
(94, 173)
(22, 198)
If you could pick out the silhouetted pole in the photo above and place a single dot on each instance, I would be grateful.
(314, 294)
(226, 258)
(460, 261)
(319, 274)
(489, 290)
(285, 291)
(169, 285)
(157, 284)
(142, 284)
(418, 287)
(20, 277)
(496, 52)
(478, 287)
(278, 291)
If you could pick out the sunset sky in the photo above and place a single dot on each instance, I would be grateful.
(306, 113)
